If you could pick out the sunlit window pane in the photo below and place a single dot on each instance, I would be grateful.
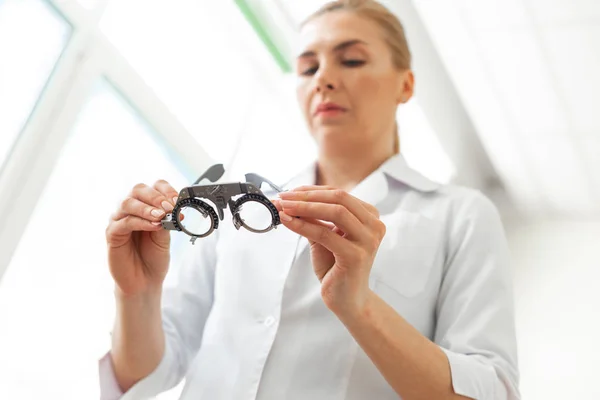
(300, 10)
(56, 303)
(90, 4)
(32, 37)
(189, 52)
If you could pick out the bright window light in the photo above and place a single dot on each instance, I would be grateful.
(56, 298)
(300, 10)
(90, 4)
(235, 108)
(32, 37)
(189, 52)
(420, 146)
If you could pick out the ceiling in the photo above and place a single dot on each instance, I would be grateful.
(527, 73)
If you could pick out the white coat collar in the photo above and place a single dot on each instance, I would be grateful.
(397, 168)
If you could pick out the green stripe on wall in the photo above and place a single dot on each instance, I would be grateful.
(254, 21)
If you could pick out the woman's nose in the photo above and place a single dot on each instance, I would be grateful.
(325, 81)
(323, 87)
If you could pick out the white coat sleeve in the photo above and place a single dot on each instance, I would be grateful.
(186, 302)
(475, 312)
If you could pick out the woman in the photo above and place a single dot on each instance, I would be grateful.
(409, 292)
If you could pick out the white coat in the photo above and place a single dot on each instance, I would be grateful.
(244, 318)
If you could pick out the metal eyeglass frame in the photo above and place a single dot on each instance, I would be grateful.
(221, 194)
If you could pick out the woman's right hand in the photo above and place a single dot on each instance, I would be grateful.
(138, 246)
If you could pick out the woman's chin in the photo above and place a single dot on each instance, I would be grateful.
(331, 132)
(333, 140)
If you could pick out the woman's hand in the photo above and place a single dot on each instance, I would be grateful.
(344, 235)
(138, 246)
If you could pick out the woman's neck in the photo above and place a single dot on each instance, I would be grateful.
(345, 171)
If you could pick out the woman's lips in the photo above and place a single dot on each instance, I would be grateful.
(330, 112)
(329, 109)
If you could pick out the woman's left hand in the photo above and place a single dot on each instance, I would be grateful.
(344, 235)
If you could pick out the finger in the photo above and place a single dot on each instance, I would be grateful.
(131, 224)
(371, 208)
(325, 224)
(318, 233)
(312, 187)
(335, 213)
(167, 190)
(135, 207)
(341, 197)
(277, 204)
(306, 188)
(152, 197)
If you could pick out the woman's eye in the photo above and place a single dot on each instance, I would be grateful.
(353, 63)
(310, 71)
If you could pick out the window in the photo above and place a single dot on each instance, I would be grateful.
(56, 303)
(300, 10)
(32, 37)
(190, 53)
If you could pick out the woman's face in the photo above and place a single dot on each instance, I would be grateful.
(348, 87)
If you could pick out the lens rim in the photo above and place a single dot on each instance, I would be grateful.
(200, 206)
(238, 221)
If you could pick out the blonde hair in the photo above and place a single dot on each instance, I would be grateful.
(391, 25)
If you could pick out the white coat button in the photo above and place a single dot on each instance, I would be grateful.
(269, 321)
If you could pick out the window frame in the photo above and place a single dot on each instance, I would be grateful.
(87, 57)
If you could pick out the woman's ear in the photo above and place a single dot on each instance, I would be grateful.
(407, 86)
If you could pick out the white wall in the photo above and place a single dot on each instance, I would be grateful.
(557, 292)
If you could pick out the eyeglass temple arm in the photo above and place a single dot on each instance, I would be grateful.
(213, 174)
(258, 180)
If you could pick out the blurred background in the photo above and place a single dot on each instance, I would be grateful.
(98, 95)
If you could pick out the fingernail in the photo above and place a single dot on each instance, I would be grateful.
(156, 223)
(285, 217)
(167, 206)
(175, 199)
(287, 204)
(157, 213)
